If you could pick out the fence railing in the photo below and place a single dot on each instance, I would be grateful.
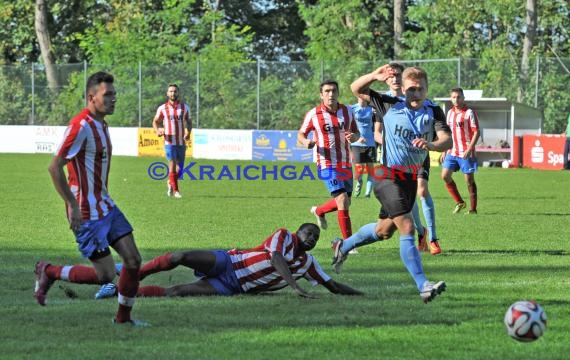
(262, 94)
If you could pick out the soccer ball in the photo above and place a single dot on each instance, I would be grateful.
(525, 321)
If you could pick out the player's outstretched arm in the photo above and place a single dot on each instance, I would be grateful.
(280, 265)
(341, 289)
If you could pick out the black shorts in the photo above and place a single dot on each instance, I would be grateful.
(424, 171)
(396, 195)
(363, 154)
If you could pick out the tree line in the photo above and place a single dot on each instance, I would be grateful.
(514, 49)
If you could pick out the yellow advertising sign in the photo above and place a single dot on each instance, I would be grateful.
(434, 157)
(152, 145)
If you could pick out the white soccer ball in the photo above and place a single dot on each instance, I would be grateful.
(525, 321)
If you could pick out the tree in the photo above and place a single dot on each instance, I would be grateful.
(44, 40)
(528, 43)
(399, 21)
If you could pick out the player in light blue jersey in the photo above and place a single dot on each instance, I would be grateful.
(411, 129)
(364, 149)
(382, 103)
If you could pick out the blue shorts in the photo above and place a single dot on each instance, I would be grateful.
(454, 163)
(337, 180)
(175, 152)
(222, 277)
(97, 235)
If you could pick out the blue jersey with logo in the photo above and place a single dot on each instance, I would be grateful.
(402, 125)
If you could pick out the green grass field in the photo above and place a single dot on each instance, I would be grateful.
(515, 248)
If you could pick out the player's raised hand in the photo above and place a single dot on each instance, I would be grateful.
(383, 73)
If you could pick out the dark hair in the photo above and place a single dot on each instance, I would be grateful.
(98, 78)
(171, 85)
(309, 227)
(457, 90)
(397, 66)
(328, 82)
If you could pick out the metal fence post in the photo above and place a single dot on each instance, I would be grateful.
(536, 82)
(197, 93)
(33, 96)
(459, 72)
(85, 81)
(140, 93)
(258, 91)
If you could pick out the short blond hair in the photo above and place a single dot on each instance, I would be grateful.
(415, 73)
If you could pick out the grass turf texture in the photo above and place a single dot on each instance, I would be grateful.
(515, 248)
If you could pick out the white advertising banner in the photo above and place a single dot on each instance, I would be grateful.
(46, 139)
(222, 144)
(17, 139)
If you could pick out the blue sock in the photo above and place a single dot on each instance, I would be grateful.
(429, 214)
(411, 258)
(369, 183)
(365, 235)
(417, 221)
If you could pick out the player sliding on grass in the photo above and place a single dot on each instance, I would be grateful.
(411, 129)
(279, 261)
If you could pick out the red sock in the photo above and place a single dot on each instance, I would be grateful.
(151, 291)
(344, 223)
(128, 286)
(54, 271)
(173, 180)
(79, 274)
(473, 196)
(82, 274)
(327, 207)
(158, 264)
(452, 188)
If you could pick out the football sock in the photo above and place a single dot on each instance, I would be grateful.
(417, 221)
(365, 235)
(128, 286)
(158, 264)
(173, 177)
(79, 274)
(369, 183)
(54, 271)
(411, 258)
(473, 195)
(428, 208)
(452, 188)
(344, 223)
(151, 291)
(327, 207)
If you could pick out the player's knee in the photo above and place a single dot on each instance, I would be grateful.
(384, 234)
(132, 261)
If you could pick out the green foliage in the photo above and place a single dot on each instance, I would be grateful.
(184, 39)
(506, 253)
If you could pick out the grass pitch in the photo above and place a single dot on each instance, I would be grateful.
(515, 248)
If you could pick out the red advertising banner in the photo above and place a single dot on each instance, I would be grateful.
(543, 151)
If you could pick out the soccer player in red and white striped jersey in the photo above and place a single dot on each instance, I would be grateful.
(334, 129)
(174, 115)
(277, 262)
(95, 220)
(465, 132)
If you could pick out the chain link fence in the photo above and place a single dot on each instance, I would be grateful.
(261, 94)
